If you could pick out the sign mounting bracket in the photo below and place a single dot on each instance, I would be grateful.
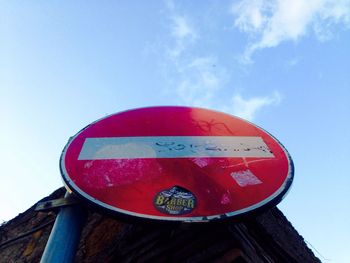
(57, 203)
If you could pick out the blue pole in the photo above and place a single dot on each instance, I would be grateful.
(65, 234)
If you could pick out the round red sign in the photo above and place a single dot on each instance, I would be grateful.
(176, 164)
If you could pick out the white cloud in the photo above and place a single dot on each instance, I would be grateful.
(200, 80)
(270, 22)
(248, 108)
(196, 78)
(183, 33)
(249, 15)
(182, 29)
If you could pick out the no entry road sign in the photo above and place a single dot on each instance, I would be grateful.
(176, 164)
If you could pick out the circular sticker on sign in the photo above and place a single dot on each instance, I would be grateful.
(175, 201)
(176, 164)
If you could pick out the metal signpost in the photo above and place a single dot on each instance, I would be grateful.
(65, 234)
(176, 164)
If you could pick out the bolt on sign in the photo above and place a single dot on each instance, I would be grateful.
(176, 164)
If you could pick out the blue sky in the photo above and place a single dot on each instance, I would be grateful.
(282, 64)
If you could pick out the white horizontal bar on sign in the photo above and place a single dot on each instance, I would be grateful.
(173, 147)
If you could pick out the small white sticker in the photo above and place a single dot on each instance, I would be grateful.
(244, 178)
